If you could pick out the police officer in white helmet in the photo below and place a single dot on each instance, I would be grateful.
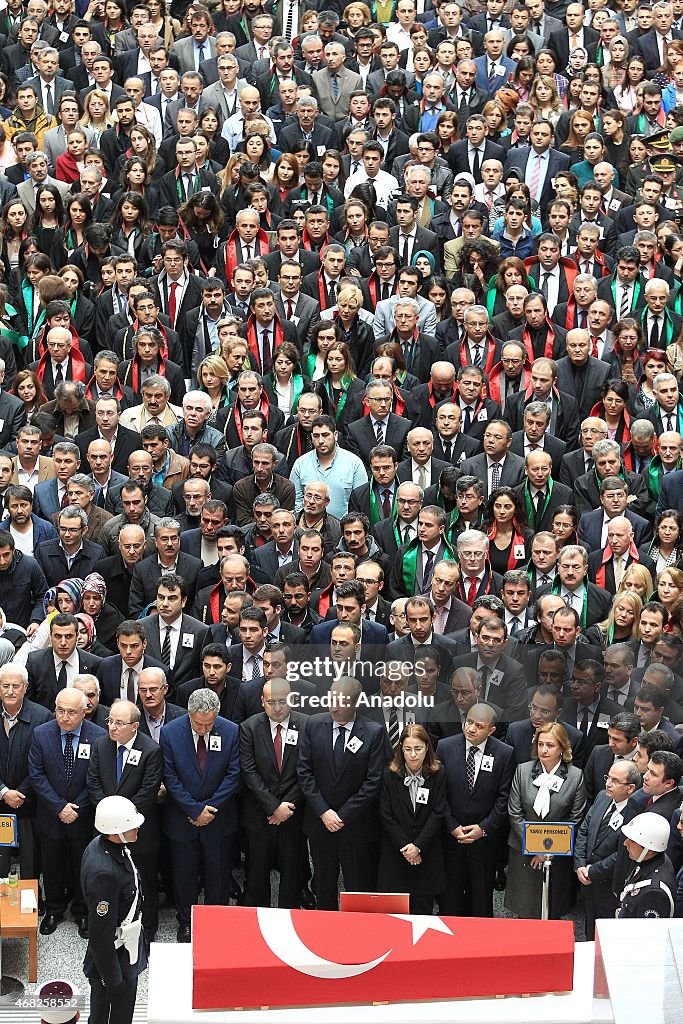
(112, 891)
(650, 887)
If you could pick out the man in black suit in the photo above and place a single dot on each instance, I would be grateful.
(156, 710)
(479, 770)
(118, 569)
(269, 749)
(288, 240)
(564, 40)
(606, 566)
(545, 706)
(622, 743)
(450, 444)
(179, 649)
(216, 664)
(469, 154)
(598, 839)
(497, 466)
(414, 563)
(51, 670)
(503, 679)
(18, 795)
(341, 792)
(419, 465)
(119, 675)
(450, 613)
(128, 763)
(587, 709)
(407, 237)
(652, 46)
(380, 427)
(125, 441)
(597, 488)
(539, 493)
(590, 602)
(579, 374)
(175, 268)
(83, 555)
(304, 123)
(563, 414)
(167, 558)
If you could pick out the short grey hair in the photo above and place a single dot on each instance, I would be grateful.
(10, 669)
(661, 378)
(263, 448)
(537, 409)
(203, 702)
(74, 512)
(166, 523)
(407, 301)
(197, 396)
(83, 677)
(573, 550)
(68, 448)
(81, 480)
(607, 447)
(654, 282)
(155, 380)
(469, 537)
(643, 428)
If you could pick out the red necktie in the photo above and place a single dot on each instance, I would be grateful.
(594, 350)
(201, 753)
(649, 804)
(290, 309)
(172, 303)
(277, 746)
(472, 586)
(65, 500)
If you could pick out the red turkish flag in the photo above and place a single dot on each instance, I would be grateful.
(246, 957)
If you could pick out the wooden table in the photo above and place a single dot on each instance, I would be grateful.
(15, 925)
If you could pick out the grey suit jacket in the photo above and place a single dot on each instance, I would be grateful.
(59, 87)
(27, 193)
(568, 804)
(349, 81)
(214, 96)
(305, 314)
(54, 144)
(511, 476)
(184, 51)
(384, 322)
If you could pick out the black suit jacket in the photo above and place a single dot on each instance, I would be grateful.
(127, 442)
(172, 711)
(188, 655)
(597, 732)
(14, 754)
(557, 162)
(558, 42)
(597, 766)
(598, 603)
(42, 678)
(361, 439)
(508, 692)
(192, 297)
(353, 792)
(139, 782)
(520, 736)
(565, 411)
(266, 786)
(227, 696)
(552, 445)
(560, 495)
(458, 159)
(148, 572)
(309, 261)
(486, 804)
(109, 675)
(50, 557)
(596, 373)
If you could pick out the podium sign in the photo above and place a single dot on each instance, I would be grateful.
(541, 838)
(8, 830)
(255, 957)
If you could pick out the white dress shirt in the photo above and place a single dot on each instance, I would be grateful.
(175, 637)
(137, 669)
(72, 666)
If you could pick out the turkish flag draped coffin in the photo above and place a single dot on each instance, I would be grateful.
(247, 957)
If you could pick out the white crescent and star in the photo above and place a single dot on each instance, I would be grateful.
(280, 935)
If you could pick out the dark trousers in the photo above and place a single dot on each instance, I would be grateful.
(29, 852)
(358, 863)
(279, 847)
(202, 854)
(597, 904)
(147, 863)
(470, 877)
(119, 1011)
(62, 866)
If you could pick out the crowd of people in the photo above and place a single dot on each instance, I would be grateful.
(341, 451)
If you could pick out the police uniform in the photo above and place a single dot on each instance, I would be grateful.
(108, 879)
(649, 890)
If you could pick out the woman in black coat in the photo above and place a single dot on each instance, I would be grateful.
(412, 806)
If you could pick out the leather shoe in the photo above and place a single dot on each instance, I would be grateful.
(500, 881)
(49, 923)
(83, 927)
(183, 934)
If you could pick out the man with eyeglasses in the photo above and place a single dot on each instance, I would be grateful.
(597, 842)
(20, 717)
(58, 763)
(128, 763)
(272, 813)
(545, 706)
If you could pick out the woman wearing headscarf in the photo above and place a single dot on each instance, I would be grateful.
(65, 598)
(87, 636)
(105, 616)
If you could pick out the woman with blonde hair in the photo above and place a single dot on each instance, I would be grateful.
(669, 587)
(212, 377)
(356, 15)
(637, 578)
(544, 97)
(623, 620)
(580, 125)
(547, 788)
(355, 328)
(230, 176)
(96, 115)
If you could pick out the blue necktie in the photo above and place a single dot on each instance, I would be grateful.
(339, 746)
(119, 763)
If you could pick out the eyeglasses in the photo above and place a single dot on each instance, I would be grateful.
(541, 712)
(276, 703)
(414, 750)
(67, 712)
(117, 725)
(148, 691)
